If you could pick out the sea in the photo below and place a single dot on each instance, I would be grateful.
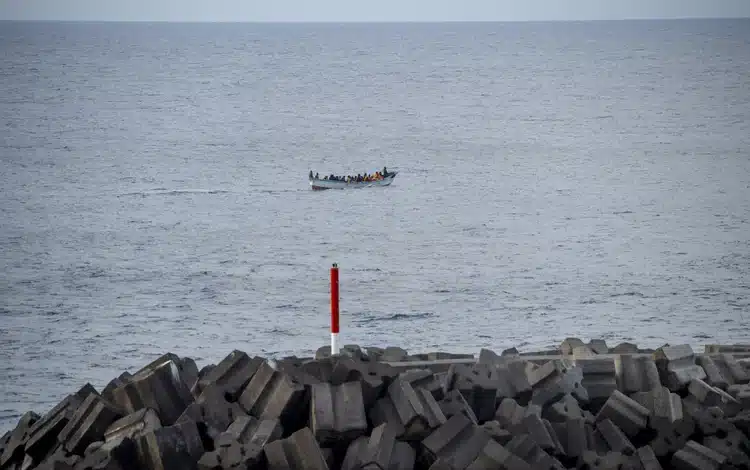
(571, 179)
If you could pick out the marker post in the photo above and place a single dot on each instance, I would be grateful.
(334, 309)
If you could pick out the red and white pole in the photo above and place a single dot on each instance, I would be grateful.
(334, 309)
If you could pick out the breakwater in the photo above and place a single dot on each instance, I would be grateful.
(583, 405)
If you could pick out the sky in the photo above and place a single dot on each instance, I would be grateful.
(367, 11)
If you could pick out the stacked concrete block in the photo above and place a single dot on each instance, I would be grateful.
(677, 366)
(638, 374)
(415, 413)
(337, 412)
(273, 394)
(158, 386)
(372, 409)
(381, 450)
(231, 375)
(298, 451)
(478, 385)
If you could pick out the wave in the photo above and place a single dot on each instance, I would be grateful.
(394, 317)
(174, 192)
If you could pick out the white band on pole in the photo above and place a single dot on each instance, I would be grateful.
(334, 343)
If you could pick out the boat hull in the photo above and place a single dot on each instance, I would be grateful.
(319, 184)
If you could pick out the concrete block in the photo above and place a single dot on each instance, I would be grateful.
(440, 355)
(42, 437)
(583, 352)
(599, 346)
(594, 440)
(494, 456)
(305, 372)
(648, 459)
(321, 369)
(133, 425)
(523, 446)
(330, 455)
(417, 410)
(88, 424)
(540, 431)
(673, 428)
(158, 386)
(497, 432)
(695, 456)
(478, 385)
(354, 453)
(354, 351)
(374, 353)
(119, 381)
(120, 455)
(426, 379)
(14, 447)
(512, 381)
(380, 451)
(564, 409)
(741, 393)
(510, 352)
(615, 438)
(178, 446)
(458, 440)
(394, 354)
(742, 421)
(337, 413)
(708, 420)
(625, 348)
(300, 451)
(608, 461)
(454, 402)
(212, 412)
(272, 394)
(665, 408)
(569, 344)
(553, 380)
(599, 378)
(731, 370)
(714, 375)
(232, 374)
(509, 413)
(727, 348)
(233, 456)
(188, 372)
(704, 394)
(489, 357)
(374, 376)
(638, 374)
(677, 366)
(572, 437)
(731, 443)
(625, 413)
(250, 430)
(4, 441)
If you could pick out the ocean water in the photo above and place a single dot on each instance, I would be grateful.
(555, 179)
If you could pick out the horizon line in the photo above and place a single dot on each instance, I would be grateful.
(588, 20)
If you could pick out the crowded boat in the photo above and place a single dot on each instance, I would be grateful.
(358, 178)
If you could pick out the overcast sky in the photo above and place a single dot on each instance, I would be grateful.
(363, 10)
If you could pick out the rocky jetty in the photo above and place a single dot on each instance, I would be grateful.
(583, 405)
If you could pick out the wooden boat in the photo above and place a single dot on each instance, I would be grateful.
(318, 184)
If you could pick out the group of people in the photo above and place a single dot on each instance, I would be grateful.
(359, 178)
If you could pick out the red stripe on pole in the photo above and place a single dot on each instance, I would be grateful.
(334, 299)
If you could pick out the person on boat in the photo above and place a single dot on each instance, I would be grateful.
(316, 176)
(385, 172)
(311, 175)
